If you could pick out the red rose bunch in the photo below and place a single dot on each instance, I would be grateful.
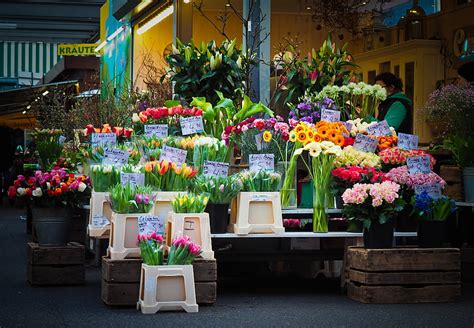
(346, 177)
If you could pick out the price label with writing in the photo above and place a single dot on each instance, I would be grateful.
(365, 143)
(159, 130)
(135, 179)
(174, 155)
(218, 169)
(418, 164)
(261, 162)
(379, 129)
(407, 141)
(148, 224)
(330, 115)
(349, 128)
(115, 156)
(103, 139)
(433, 190)
(99, 221)
(260, 198)
(191, 125)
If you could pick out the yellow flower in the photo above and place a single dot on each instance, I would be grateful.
(300, 128)
(267, 136)
(292, 136)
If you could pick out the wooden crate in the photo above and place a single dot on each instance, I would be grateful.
(56, 265)
(404, 275)
(121, 281)
(453, 176)
(467, 264)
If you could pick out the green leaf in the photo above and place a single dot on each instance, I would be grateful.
(172, 103)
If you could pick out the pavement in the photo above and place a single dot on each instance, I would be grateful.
(248, 301)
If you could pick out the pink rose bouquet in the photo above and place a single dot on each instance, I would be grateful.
(401, 176)
(392, 157)
(371, 202)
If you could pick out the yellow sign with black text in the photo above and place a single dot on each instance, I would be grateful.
(82, 49)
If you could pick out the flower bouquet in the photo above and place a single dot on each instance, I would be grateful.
(190, 203)
(167, 176)
(164, 115)
(48, 146)
(183, 251)
(310, 111)
(122, 134)
(292, 224)
(261, 181)
(151, 248)
(353, 157)
(322, 156)
(386, 142)
(209, 149)
(358, 125)
(221, 191)
(433, 213)
(394, 157)
(131, 199)
(151, 146)
(103, 177)
(402, 176)
(375, 205)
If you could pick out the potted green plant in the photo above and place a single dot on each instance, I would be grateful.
(376, 205)
(433, 213)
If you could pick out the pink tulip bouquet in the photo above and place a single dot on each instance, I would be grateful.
(183, 251)
(372, 202)
(151, 248)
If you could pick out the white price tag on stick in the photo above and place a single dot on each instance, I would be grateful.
(407, 141)
(174, 155)
(191, 125)
(419, 164)
(159, 130)
(102, 139)
(330, 115)
(218, 169)
(379, 129)
(433, 190)
(115, 156)
(148, 224)
(135, 179)
(261, 162)
(365, 143)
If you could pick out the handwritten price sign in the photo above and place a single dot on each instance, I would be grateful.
(365, 143)
(99, 221)
(159, 130)
(261, 162)
(135, 179)
(418, 164)
(191, 125)
(148, 224)
(98, 139)
(330, 115)
(174, 155)
(115, 156)
(379, 129)
(433, 190)
(218, 169)
(407, 141)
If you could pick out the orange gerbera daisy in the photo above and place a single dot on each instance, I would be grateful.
(332, 134)
(310, 134)
(301, 136)
(300, 128)
(339, 141)
(321, 124)
(317, 138)
(323, 131)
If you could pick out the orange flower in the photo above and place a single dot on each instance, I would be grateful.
(339, 141)
(301, 137)
(300, 128)
(323, 131)
(317, 138)
(321, 124)
(332, 134)
(310, 134)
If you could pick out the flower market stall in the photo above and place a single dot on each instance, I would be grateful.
(176, 179)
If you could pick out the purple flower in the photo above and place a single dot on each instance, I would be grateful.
(304, 106)
(138, 198)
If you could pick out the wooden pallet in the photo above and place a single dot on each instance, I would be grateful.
(467, 264)
(55, 265)
(121, 281)
(404, 275)
(453, 176)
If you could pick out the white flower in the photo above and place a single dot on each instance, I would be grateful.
(21, 191)
(48, 185)
(37, 192)
(335, 150)
(326, 145)
(135, 118)
(107, 169)
(82, 187)
(298, 152)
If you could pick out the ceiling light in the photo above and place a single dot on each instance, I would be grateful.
(155, 20)
(117, 32)
(45, 93)
(308, 7)
(23, 112)
(28, 107)
(100, 46)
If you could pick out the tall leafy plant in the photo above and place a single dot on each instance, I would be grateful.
(199, 70)
(330, 65)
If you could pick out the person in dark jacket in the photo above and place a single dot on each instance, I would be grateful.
(397, 107)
